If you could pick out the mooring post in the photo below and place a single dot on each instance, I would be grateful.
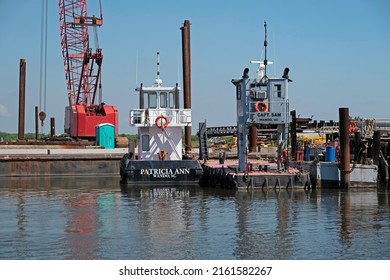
(186, 52)
(293, 134)
(388, 163)
(253, 138)
(376, 147)
(358, 140)
(22, 97)
(52, 127)
(36, 122)
(344, 148)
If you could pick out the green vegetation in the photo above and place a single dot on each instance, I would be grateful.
(195, 141)
(131, 137)
(9, 137)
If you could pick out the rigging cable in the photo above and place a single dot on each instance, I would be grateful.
(43, 63)
(100, 93)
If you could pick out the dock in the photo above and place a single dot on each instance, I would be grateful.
(59, 160)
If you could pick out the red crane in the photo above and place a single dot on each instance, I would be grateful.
(82, 72)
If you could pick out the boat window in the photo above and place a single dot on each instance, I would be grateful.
(152, 100)
(145, 100)
(163, 100)
(145, 142)
(278, 90)
(171, 100)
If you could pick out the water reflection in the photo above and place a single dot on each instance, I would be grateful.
(162, 222)
(97, 218)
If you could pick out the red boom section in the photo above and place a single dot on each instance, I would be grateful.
(82, 71)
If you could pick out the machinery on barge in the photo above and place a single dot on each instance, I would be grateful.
(83, 72)
(159, 158)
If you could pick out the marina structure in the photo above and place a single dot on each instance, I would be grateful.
(306, 155)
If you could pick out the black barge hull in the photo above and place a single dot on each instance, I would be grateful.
(160, 172)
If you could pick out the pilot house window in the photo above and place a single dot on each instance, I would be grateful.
(278, 90)
(171, 100)
(152, 100)
(163, 100)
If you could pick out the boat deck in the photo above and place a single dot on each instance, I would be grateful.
(260, 174)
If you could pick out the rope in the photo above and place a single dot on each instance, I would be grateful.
(43, 59)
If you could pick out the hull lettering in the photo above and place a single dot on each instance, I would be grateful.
(164, 172)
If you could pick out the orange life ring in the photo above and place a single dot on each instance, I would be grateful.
(263, 106)
(161, 121)
(352, 127)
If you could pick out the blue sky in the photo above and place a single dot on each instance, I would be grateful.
(338, 53)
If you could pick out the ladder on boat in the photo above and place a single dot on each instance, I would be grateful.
(203, 148)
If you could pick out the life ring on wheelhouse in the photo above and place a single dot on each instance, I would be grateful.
(261, 106)
(161, 121)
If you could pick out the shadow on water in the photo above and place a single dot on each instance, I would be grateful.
(99, 218)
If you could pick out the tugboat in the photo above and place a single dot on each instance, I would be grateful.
(261, 100)
(160, 159)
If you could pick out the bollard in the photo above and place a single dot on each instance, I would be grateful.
(344, 148)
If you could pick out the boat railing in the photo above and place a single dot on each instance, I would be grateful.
(147, 117)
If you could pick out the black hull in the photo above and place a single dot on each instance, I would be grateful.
(160, 172)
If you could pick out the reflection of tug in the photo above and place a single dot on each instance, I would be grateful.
(160, 121)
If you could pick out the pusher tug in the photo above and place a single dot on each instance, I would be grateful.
(260, 100)
(160, 121)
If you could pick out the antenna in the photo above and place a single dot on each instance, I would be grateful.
(178, 64)
(262, 70)
(158, 81)
(265, 48)
(158, 65)
(136, 68)
(101, 13)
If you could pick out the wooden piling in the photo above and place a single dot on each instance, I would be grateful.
(52, 127)
(186, 52)
(22, 98)
(376, 146)
(293, 134)
(344, 148)
(253, 138)
(36, 122)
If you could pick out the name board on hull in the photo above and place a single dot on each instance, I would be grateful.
(164, 172)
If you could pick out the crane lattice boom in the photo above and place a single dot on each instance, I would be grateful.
(82, 71)
(82, 66)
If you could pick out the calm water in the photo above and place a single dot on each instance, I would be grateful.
(93, 218)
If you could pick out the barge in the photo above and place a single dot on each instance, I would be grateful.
(260, 174)
(58, 161)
